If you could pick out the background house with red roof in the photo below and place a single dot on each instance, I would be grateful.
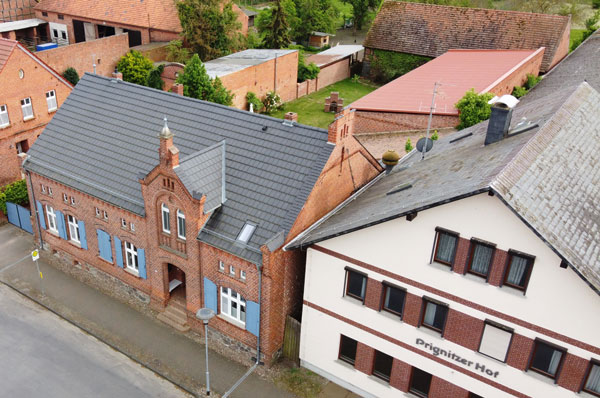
(404, 103)
(30, 95)
(431, 30)
(145, 21)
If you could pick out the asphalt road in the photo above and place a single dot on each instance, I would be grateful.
(42, 355)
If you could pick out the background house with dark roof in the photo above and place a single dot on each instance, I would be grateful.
(196, 217)
(404, 103)
(431, 30)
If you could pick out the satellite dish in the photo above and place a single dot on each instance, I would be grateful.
(424, 143)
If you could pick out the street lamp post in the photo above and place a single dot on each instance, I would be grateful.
(205, 315)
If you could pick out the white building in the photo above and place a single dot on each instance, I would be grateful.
(472, 273)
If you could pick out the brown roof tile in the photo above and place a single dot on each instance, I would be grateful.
(431, 30)
(6, 48)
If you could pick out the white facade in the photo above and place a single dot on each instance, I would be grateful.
(556, 300)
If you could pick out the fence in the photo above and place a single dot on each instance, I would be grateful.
(19, 216)
(291, 339)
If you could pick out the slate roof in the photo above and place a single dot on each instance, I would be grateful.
(203, 173)
(6, 48)
(155, 14)
(431, 30)
(458, 71)
(105, 135)
(550, 177)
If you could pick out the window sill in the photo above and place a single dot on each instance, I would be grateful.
(26, 119)
(380, 381)
(234, 322)
(180, 239)
(431, 332)
(345, 364)
(52, 110)
(442, 266)
(542, 377)
(353, 300)
(5, 126)
(52, 232)
(76, 244)
(132, 272)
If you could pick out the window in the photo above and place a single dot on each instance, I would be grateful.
(546, 358)
(44, 14)
(131, 256)
(132, 226)
(231, 270)
(495, 341)
(480, 258)
(445, 249)
(246, 232)
(221, 266)
(592, 383)
(51, 216)
(473, 395)
(243, 275)
(420, 382)
(166, 223)
(347, 349)
(393, 299)
(123, 223)
(51, 100)
(97, 212)
(356, 284)
(519, 270)
(233, 305)
(105, 214)
(63, 34)
(382, 365)
(4, 116)
(180, 225)
(73, 200)
(61, 16)
(434, 315)
(43, 188)
(27, 108)
(49, 191)
(65, 198)
(22, 146)
(74, 229)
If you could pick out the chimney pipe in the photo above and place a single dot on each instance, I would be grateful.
(500, 118)
(292, 116)
(177, 89)
(117, 75)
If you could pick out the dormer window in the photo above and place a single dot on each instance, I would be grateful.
(180, 225)
(246, 232)
(166, 223)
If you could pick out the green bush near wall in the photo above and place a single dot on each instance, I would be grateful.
(388, 65)
(15, 193)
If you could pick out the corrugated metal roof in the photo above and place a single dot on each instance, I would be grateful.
(22, 24)
(457, 71)
(105, 135)
(334, 54)
(241, 60)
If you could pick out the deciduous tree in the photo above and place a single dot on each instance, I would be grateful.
(135, 67)
(197, 83)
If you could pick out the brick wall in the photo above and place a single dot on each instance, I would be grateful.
(518, 76)
(333, 73)
(163, 36)
(373, 122)
(106, 52)
(36, 81)
(563, 46)
(16, 10)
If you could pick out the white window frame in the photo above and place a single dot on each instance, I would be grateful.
(243, 275)
(105, 214)
(49, 191)
(97, 212)
(132, 226)
(495, 341)
(51, 100)
(246, 232)
(4, 119)
(180, 225)
(231, 270)
(73, 229)
(131, 257)
(123, 223)
(221, 266)
(227, 301)
(51, 217)
(27, 108)
(43, 188)
(19, 147)
(65, 198)
(166, 221)
(73, 200)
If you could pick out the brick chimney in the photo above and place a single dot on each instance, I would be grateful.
(167, 152)
(177, 89)
(291, 116)
(117, 75)
(342, 126)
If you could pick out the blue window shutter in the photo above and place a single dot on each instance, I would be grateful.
(210, 295)
(252, 317)
(60, 224)
(118, 252)
(82, 236)
(142, 262)
(104, 245)
(40, 210)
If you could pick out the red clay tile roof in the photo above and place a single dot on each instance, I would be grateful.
(431, 30)
(457, 70)
(155, 14)
(6, 48)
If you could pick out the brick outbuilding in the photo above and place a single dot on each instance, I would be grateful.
(197, 216)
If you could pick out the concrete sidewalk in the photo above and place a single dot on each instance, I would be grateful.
(147, 340)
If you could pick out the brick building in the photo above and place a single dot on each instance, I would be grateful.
(197, 216)
(335, 63)
(30, 95)
(144, 21)
(469, 285)
(404, 103)
(16, 10)
(430, 30)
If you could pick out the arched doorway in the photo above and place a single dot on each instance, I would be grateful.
(176, 284)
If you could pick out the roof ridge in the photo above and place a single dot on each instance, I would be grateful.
(202, 151)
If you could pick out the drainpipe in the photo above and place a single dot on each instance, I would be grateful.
(237, 383)
(37, 220)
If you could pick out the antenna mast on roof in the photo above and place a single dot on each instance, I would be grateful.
(435, 87)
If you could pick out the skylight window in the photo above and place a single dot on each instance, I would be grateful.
(246, 232)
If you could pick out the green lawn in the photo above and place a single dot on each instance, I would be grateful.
(575, 34)
(310, 107)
